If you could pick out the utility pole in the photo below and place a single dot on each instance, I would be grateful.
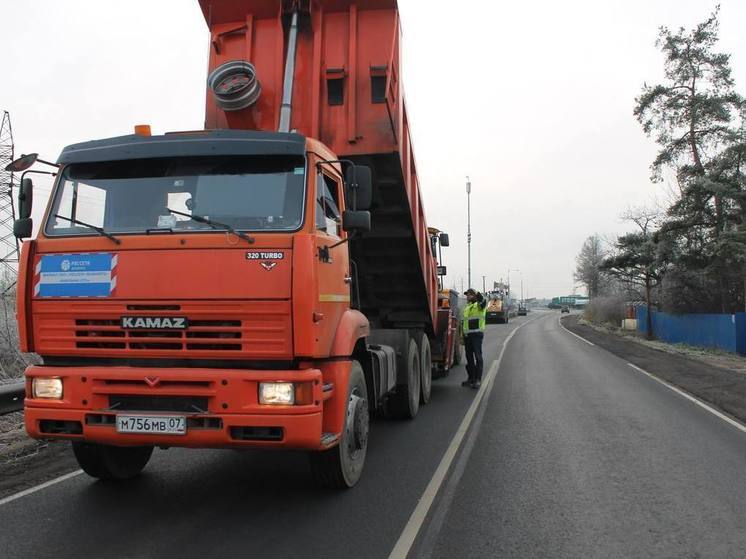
(11, 361)
(512, 270)
(468, 229)
(484, 284)
(8, 241)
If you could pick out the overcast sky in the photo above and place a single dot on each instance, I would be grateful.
(532, 100)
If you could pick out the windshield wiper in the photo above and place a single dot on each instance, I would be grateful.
(99, 230)
(215, 225)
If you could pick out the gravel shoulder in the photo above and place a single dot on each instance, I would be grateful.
(25, 462)
(712, 377)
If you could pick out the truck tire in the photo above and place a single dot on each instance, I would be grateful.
(341, 467)
(426, 368)
(111, 462)
(405, 402)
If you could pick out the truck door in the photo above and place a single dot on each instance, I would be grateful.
(333, 263)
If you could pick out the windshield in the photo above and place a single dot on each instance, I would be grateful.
(133, 196)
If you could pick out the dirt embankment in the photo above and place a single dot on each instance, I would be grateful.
(718, 380)
(25, 462)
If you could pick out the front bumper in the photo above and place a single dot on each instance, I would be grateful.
(228, 414)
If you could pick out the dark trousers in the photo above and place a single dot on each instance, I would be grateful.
(473, 349)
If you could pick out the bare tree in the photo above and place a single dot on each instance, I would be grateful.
(588, 265)
(635, 260)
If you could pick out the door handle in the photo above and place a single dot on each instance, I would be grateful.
(348, 279)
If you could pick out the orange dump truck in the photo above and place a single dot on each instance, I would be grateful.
(264, 283)
(497, 310)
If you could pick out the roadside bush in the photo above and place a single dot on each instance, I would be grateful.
(12, 361)
(605, 310)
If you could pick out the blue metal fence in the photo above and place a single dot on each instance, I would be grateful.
(724, 331)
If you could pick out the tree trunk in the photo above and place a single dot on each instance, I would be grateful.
(649, 313)
(700, 168)
(659, 302)
(722, 287)
(692, 128)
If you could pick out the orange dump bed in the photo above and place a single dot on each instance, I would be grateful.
(347, 93)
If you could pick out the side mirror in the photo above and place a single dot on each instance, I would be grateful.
(22, 163)
(356, 220)
(442, 271)
(444, 242)
(359, 187)
(25, 199)
(22, 228)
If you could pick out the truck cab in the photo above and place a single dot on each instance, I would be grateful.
(198, 274)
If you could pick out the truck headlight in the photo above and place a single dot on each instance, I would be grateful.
(281, 393)
(45, 387)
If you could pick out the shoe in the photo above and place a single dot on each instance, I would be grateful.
(466, 383)
(476, 384)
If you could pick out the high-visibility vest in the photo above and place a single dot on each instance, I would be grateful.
(475, 318)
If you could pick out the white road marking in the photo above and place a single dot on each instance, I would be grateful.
(559, 321)
(39, 487)
(738, 425)
(417, 519)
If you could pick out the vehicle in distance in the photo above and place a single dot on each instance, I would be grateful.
(564, 309)
(497, 310)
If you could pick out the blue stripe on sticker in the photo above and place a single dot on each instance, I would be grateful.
(75, 290)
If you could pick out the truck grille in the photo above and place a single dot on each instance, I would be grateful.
(229, 330)
(215, 335)
(186, 404)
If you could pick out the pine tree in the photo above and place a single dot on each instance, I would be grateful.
(696, 117)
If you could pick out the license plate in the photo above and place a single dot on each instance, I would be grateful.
(152, 424)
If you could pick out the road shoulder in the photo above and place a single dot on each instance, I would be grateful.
(719, 386)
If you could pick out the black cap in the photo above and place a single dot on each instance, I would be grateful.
(470, 291)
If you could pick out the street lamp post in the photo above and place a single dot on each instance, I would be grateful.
(468, 230)
(512, 270)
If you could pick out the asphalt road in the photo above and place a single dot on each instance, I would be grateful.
(571, 454)
(580, 455)
(206, 503)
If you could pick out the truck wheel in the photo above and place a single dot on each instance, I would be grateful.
(426, 369)
(111, 462)
(405, 402)
(341, 467)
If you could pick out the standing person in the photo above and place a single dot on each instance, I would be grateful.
(475, 314)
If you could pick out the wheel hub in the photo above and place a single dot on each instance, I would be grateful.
(359, 419)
